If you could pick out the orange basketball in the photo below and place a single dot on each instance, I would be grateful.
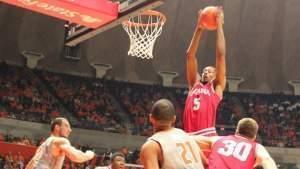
(208, 18)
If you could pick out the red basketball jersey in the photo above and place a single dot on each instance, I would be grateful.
(201, 109)
(232, 152)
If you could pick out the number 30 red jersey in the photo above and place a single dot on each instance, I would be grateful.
(200, 110)
(232, 152)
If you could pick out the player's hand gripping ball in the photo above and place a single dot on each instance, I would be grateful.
(208, 18)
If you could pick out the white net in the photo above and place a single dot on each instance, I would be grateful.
(143, 31)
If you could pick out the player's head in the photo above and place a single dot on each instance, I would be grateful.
(162, 114)
(61, 127)
(247, 127)
(208, 74)
(118, 161)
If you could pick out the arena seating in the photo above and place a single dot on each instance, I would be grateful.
(99, 104)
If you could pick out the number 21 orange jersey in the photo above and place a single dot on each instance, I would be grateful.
(179, 150)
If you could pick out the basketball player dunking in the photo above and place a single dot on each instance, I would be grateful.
(205, 91)
(169, 147)
(239, 151)
(51, 154)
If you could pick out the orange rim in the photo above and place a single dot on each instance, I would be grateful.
(148, 13)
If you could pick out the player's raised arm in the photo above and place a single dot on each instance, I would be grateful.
(192, 65)
(220, 81)
(150, 155)
(72, 153)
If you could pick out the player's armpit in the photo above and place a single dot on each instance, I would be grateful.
(72, 153)
(150, 155)
(263, 158)
(267, 163)
(258, 167)
(219, 90)
(204, 159)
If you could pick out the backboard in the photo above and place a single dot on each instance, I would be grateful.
(86, 18)
(127, 9)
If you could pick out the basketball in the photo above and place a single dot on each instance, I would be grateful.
(208, 18)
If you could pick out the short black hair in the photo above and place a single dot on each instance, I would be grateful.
(247, 127)
(163, 110)
(56, 121)
(117, 154)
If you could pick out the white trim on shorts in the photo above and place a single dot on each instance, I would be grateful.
(205, 132)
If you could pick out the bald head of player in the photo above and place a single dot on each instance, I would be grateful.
(247, 127)
(162, 115)
(60, 127)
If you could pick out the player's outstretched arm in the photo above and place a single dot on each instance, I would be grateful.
(192, 65)
(263, 158)
(71, 152)
(150, 155)
(205, 142)
(220, 82)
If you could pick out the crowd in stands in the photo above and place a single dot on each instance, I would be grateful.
(23, 97)
(101, 104)
(11, 161)
(137, 101)
(14, 160)
(88, 99)
(278, 117)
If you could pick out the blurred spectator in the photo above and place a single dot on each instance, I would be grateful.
(2, 161)
(19, 159)
(2, 137)
(9, 161)
(117, 162)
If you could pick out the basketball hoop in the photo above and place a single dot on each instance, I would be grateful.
(143, 31)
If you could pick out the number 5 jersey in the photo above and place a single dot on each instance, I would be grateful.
(200, 110)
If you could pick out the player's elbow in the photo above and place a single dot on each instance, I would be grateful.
(78, 160)
(221, 50)
(220, 57)
(190, 55)
(80, 157)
